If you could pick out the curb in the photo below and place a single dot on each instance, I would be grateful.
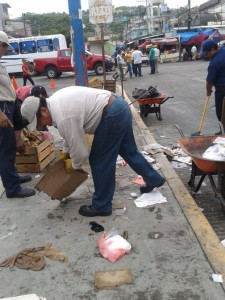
(211, 245)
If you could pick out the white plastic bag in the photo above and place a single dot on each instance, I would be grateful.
(113, 246)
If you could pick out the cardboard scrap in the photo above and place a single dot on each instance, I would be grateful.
(112, 279)
(118, 204)
(58, 184)
(34, 258)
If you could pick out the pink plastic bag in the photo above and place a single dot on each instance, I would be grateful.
(113, 246)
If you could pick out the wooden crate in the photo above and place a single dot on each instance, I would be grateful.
(35, 159)
(110, 85)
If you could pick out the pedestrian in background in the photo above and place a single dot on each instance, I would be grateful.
(30, 90)
(216, 73)
(193, 52)
(26, 73)
(128, 60)
(157, 57)
(152, 58)
(115, 55)
(77, 111)
(137, 58)
(9, 176)
(120, 64)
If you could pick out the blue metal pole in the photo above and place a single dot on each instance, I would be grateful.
(77, 36)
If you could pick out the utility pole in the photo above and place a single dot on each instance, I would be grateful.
(189, 14)
(77, 37)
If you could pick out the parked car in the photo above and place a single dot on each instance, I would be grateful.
(53, 67)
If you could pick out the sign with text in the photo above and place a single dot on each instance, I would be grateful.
(100, 11)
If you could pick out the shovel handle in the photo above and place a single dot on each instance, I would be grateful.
(203, 114)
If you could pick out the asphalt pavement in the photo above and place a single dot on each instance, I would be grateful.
(174, 250)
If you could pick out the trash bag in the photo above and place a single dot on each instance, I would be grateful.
(112, 246)
(151, 92)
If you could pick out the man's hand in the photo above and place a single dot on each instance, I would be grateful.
(209, 89)
(63, 156)
(70, 169)
(20, 146)
(209, 92)
(68, 166)
(4, 121)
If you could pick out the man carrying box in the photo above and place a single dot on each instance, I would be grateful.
(77, 111)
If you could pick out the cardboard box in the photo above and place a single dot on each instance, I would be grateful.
(35, 159)
(58, 184)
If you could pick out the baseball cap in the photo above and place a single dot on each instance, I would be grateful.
(208, 45)
(29, 109)
(38, 90)
(4, 39)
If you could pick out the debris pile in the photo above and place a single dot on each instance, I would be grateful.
(32, 139)
(95, 83)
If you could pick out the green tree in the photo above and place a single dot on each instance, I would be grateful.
(51, 23)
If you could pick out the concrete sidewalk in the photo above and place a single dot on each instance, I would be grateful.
(174, 266)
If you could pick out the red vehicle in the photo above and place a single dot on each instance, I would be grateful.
(53, 67)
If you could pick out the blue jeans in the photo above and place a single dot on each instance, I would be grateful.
(113, 136)
(129, 68)
(137, 69)
(219, 96)
(152, 65)
(8, 173)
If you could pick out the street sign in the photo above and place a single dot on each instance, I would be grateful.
(100, 11)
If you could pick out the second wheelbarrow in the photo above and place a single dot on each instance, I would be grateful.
(152, 105)
(195, 147)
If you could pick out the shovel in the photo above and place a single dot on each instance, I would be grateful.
(202, 118)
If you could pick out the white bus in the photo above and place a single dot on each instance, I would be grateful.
(30, 48)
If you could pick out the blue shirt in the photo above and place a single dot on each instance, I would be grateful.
(216, 68)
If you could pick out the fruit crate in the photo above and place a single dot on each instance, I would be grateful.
(35, 159)
(110, 85)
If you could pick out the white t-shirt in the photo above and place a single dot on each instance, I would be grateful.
(137, 57)
(157, 52)
(193, 49)
(75, 111)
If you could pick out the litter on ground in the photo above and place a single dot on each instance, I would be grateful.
(152, 198)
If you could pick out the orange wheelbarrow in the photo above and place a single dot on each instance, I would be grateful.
(195, 146)
(152, 105)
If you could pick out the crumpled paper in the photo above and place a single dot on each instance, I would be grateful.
(152, 198)
(34, 258)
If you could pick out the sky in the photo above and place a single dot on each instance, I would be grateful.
(45, 6)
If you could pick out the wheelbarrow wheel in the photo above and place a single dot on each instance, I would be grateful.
(141, 110)
(158, 116)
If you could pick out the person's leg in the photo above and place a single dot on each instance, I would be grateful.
(157, 65)
(24, 80)
(135, 70)
(31, 80)
(8, 173)
(219, 96)
(128, 150)
(139, 69)
(152, 62)
(104, 152)
(129, 69)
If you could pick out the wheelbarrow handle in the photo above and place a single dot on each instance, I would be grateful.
(168, 97)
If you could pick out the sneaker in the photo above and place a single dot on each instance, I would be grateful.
(148, 188)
